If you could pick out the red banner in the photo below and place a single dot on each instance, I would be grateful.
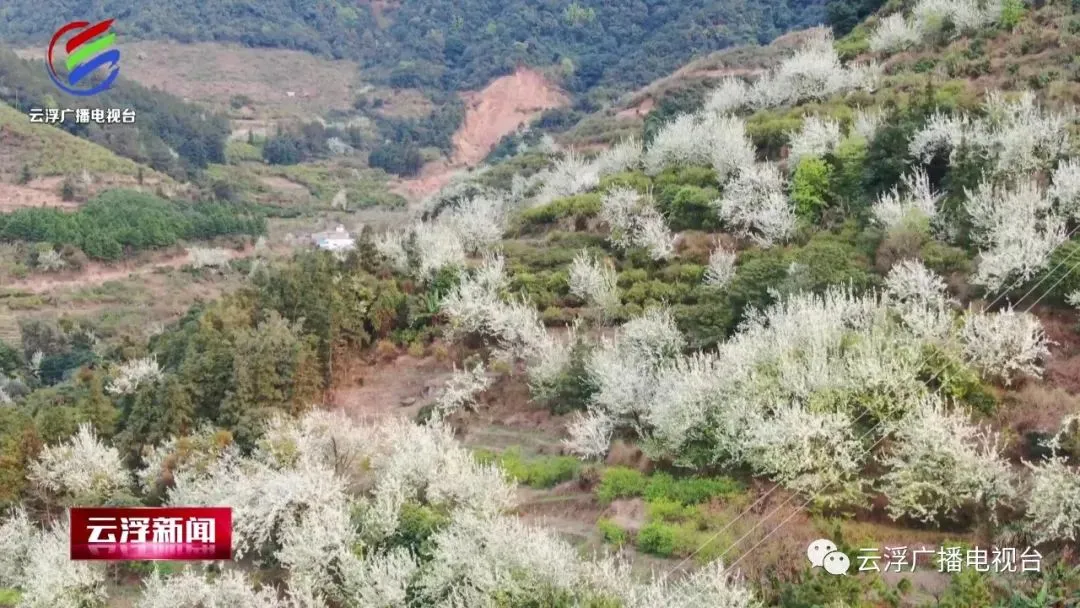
(151, 533)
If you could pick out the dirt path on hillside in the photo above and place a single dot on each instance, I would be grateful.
(95, 273)
(498, 110)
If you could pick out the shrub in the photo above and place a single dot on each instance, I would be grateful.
(665, 509)
(539, 472)
(631, 179)
(657, 538)
(689, 207)
(810, 187)
(688, 490)
(579, 206)
(611, 532)
(620, 482)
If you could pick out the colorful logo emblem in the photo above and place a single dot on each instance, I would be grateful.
(90, 49)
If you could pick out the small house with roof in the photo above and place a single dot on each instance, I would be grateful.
(337, 240)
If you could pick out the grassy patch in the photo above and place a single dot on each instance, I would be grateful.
(535, 472)
(51, 151)
(624, 482)
(9, 597)
(678, 520)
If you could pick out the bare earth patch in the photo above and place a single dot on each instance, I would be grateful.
(498, 110)
(283, 184)
(14, 197)
(213, 73)
(95, 273)
(373, 390)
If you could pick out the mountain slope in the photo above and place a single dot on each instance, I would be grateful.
(450, 44)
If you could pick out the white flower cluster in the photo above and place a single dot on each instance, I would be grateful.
(202, 257)
(194, 452)
(1005, 344)
(467, 225)
(817, 137)
(571, 175)
(623, 156)
(813, 72)
(1065, 188)
(438, 246)
(1016, 229)
(917, 203)
(894, 33)
(1053, 510)
(910, 281)
(462, 388)
(779, 396)
(1015, 137)
(316, 439)
(939, 464)
(190, 590)
(39, 565)
(806, 451)
(479, 221)
(265, 499)
(756, 203)
(703, 139)
(721, 268)
(624, 371)
(921, 298)
(595, 282)
(476, 306)
(50, 260)
(634, 221)
(81, 469)
(928, 17)
(134, 373)
(391, 246)
(867, 123)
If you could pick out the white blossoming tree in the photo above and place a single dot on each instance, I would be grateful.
(1016, 230)
(134, 373)
(755, 202)
(462, 388)
(721, 268)
(37, 563)
(634, 221)
(893, 33)
(80, 470)
(941, 466)
(914, 206)
(595, 282)
(1053, 509)
(817, 137)
(1005, 345)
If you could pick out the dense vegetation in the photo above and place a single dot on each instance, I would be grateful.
(451, 44)
(121, 220)
(820, 282)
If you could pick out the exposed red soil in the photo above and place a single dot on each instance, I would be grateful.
(498, 110)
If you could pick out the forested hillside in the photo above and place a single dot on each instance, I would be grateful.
(833, 294)
(451, 44)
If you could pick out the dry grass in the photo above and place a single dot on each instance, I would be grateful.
(212, 73)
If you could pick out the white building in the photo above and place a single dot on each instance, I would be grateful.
(338, 240)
